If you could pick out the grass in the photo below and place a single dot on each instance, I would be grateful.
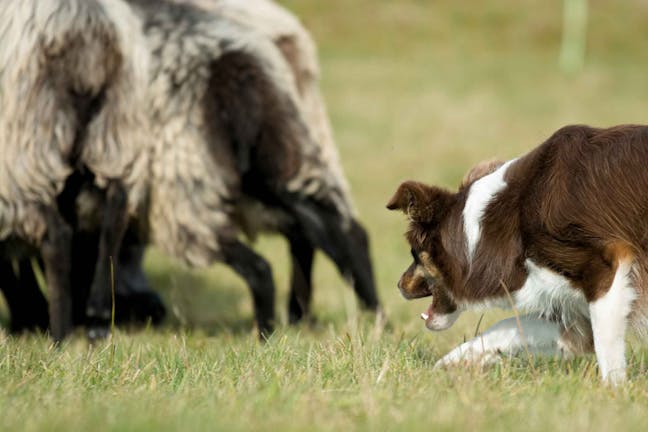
(415, 89)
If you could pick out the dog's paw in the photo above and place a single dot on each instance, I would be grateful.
(468, 355)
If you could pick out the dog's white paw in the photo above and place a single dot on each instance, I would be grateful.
(468, 355)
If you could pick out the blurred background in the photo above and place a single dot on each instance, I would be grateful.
(422, 90)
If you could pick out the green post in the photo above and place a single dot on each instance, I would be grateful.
(574, 37)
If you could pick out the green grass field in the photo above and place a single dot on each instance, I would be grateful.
(415, 89)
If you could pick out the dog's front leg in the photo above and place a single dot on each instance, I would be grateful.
(508, 338)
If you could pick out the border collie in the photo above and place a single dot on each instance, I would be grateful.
(561, 232)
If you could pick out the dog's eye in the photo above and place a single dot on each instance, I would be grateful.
(415, 256)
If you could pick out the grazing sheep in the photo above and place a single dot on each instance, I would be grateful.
(299, 51)
(225, 148)
(233, 152)
(60, 62)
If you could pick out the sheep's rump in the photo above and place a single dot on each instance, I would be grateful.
(213, 83)
(62, 62)
(299, 50)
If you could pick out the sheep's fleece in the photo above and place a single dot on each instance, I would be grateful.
(146, 64)
(55, 56)
(188, 202)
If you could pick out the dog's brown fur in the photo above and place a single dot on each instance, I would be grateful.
(577, 205)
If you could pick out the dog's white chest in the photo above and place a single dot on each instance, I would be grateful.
(549, 294)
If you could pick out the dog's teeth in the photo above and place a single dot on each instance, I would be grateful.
(424, 316)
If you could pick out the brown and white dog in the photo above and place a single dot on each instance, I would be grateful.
(561, 232)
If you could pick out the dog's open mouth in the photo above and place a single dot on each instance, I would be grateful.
(428, 315)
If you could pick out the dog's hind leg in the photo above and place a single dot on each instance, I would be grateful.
(112, 231)
(257, 273)
(609, 315)
(27, 304)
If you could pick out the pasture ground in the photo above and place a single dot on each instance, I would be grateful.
(415, 89)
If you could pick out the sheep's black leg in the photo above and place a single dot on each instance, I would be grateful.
(257, 273)
(347, 246)
(56, 254)
(27, 304)
(114, 223)
(301, 286)
(361, 268)
(84, 261)
(135, 301)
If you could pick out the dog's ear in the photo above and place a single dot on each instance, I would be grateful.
(421, 203)
(480, 170)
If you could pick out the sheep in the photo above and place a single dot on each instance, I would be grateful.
(60, 62)
(298, 49)
(222, 100)
(234, 153)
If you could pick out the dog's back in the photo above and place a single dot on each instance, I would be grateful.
(595, 176)
(584, 194)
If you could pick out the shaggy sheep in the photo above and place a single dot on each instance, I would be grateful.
(225, 148)
(226, 102)
(299, 51)
(60, 61)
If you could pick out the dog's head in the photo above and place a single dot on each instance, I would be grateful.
(426, 207)
(436, 241)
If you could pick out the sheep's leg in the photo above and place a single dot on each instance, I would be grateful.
(112, 231)
(301, 284)
(135, 301)
(257, 273)
(27, 304)
(56, 254)
(84, 261)
(360, 266)
(348, 247)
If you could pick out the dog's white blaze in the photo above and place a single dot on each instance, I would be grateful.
(508, 338)
(547, 293)
(609, 316)
(479, 196)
